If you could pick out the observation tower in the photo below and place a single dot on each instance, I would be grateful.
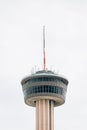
(44, 90)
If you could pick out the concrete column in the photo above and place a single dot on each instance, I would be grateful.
(37, 116)
(52, 115)
(47, 115)
(44, 114)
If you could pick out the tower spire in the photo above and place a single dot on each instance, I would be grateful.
(44, 55)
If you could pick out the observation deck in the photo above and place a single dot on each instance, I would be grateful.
(44, 84)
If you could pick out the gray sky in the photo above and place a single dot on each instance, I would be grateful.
(21, 50)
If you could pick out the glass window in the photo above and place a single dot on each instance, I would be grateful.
(54, 89)
(35, 90)
(44, 89)
(59, 90)
(49, 89)
(38, 79)
(38, 89)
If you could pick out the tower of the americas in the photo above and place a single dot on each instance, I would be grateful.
(44, 90)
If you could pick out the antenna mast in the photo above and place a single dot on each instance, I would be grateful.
(44, 55)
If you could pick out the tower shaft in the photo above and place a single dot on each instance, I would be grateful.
(44, 114)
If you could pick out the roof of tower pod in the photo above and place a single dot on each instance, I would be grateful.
(47, 73)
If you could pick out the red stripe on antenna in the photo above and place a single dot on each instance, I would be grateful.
(44, 60)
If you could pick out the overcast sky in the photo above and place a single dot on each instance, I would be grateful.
(21, 49)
